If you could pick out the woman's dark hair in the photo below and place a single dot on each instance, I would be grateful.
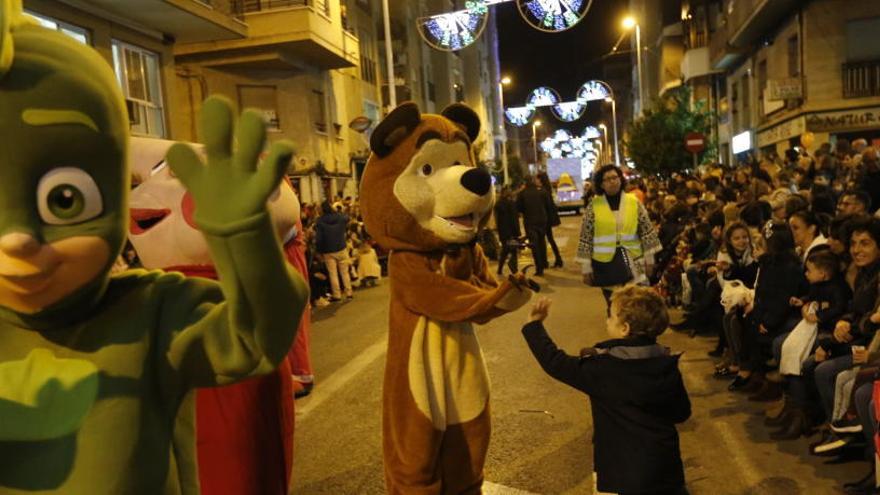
(868, 225)
(728, 234)
(327, 208)
(599, 176)
(779, 245)
(545, 181)
(795, 203)
(820, 220)
(756, 213)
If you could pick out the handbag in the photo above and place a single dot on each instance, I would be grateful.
(615, 272)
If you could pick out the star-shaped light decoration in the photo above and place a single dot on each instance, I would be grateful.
(519, 116)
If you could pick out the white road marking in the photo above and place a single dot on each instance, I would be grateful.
(490, 488)
(332, 384)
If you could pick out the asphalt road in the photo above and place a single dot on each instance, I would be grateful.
(542, 430)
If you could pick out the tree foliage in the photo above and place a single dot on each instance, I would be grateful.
(656, 139)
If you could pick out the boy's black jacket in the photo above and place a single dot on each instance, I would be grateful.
(637, 396)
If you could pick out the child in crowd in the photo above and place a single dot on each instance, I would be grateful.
(369, 271)
(636, 393)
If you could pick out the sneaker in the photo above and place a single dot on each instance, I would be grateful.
(834, 443)
(844, 425)
(321, 302)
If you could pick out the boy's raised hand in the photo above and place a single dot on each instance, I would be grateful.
(540, 310)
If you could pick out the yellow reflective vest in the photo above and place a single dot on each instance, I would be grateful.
(609, 234)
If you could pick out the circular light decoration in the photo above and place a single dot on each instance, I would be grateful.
(591, 132)
(548, 145)
(569, 111)
(543, 97)
(519, 116)
(453, 31)
(553, 15)
(592, 91)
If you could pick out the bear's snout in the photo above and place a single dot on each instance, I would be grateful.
(477, 181)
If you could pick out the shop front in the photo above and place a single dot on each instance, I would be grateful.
(850, 124)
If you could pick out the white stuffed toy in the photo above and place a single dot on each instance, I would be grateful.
(736, 294)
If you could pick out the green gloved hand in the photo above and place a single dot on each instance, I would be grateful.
(43, 397)
(231, 189)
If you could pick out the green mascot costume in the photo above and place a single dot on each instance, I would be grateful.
(93, 368)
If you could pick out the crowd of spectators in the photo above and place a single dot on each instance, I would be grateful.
(779, 258)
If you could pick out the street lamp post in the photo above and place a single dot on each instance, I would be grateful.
(501, 83)
(535, 140)
(389, 57)
(605, 150)
(629, 23)
(616, 140)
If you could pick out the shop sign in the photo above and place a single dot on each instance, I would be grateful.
(786, 130)
(785, 89)
(845, 120)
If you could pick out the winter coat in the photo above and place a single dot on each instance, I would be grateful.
(330, 231)
(552, 214)
(637, 397)
(507, 219)
(779, 279)
(862, 305)
(832, 298)
(532, 203)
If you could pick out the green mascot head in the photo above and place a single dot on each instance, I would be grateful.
(63, 173)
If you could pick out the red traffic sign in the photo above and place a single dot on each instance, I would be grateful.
(695, 142)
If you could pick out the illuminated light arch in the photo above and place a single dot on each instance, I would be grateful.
(519, 116)
(543, 97)
(553, 16)
(569, 111)
(591, 132)
(452, 31)
(593, 91)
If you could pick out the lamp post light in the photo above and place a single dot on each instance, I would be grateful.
(503, 82)
(605, 150)
(630, 22)
(535, 140)
(616, 141)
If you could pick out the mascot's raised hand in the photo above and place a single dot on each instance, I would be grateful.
(231, 189)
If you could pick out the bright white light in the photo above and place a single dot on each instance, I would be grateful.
(543, 97)
(593, 91)
(629, 22)
(569, 111)
(519, 116)
(741, 142)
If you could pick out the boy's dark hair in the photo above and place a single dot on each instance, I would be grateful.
(859, 195)
(826, 261)
(643, 309)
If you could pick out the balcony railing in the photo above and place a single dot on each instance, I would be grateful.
(861, 79)
(248, 6)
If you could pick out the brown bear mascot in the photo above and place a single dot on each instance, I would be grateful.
(423, 198)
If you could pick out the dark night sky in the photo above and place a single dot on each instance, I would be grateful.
(562, 61)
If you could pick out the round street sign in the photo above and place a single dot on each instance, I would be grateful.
(695, 142)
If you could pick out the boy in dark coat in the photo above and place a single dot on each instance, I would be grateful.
(636, 393)
(507, 221)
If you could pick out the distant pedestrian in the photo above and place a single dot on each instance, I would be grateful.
(552, 216)
(507, 222)
(330, 243)
(532, 203)
(636, 393)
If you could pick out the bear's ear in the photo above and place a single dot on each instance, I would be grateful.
(395, 128)
(464, 117)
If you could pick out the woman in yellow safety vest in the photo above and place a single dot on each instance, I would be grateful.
(618, 240)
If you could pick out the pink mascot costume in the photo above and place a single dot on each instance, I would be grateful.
(243, 432)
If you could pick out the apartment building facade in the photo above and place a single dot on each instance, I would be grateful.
(295, 60)
(793, 67)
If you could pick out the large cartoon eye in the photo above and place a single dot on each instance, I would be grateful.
(426, 170)
(67, 196)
